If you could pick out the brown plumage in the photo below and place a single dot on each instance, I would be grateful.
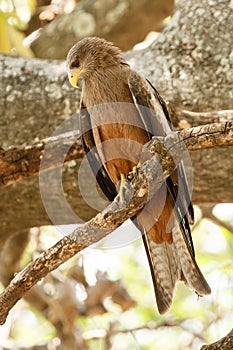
(113, 134)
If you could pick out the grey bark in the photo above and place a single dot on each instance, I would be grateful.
(190, 63)
(35, 97)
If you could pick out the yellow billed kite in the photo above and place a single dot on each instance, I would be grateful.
(120, 112)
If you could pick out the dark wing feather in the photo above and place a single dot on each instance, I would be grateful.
(162, 102)
(98, 168)
(153, 108)
(180, 167)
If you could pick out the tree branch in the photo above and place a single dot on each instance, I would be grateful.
(135, 197)
(208, 136)
(18, 163)
(207, 212)
(183, 119)
(226, 343)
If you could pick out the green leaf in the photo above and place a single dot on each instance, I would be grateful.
(16, 39)
(5, 46)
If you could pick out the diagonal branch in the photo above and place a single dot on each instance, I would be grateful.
(135, 197)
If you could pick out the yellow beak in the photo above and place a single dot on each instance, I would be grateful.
(73, 75)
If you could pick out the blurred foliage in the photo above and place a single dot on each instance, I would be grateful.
(14, 16)
(191, 322)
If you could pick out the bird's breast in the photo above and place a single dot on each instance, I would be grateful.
(119, 143)
(118, 129)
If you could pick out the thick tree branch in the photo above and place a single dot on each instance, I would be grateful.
(226, 343)
(135, 197)
(18, 163)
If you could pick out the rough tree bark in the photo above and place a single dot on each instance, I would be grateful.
(190, 63)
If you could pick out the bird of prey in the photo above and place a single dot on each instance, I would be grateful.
(120, 111)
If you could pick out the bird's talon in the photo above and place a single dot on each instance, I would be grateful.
(121, 189)
(134, 173)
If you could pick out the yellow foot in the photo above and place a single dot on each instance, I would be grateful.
(133, 174)
(121, 189)
(127, 178)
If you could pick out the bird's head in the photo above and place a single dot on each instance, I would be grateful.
(89, 56)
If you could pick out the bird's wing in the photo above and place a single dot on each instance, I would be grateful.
(94, 159)
(180, 169)
(156, 119)
(169, 263)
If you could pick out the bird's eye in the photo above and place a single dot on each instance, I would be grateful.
(74, 64)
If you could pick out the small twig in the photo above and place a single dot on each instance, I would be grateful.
(207, 212)
(150, 326)
(136, 192)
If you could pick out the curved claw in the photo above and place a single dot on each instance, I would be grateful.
(133, 174)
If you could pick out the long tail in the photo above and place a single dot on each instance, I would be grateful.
(170, 263)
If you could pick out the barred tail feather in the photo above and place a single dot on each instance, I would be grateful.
(165, 270)
(191, 272)
(170, 263)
